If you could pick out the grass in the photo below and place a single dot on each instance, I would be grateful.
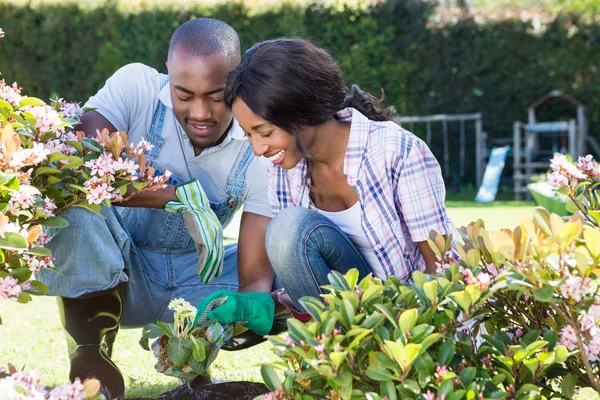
(30, 334)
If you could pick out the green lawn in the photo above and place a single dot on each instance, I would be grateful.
(30, 335)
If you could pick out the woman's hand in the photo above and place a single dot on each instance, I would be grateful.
(255, 310)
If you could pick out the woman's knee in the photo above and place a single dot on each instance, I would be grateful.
(286, 233)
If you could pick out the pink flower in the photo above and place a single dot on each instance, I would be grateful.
(279, 394)
(98, 191)
(10, 94)
(576, 288)
(484, 280)
(585, 163)
(558, 180)
(10, 288)
(125, 166)
(492, 269)
(48, 119)
(42, 240)
(320, 348)
(289, 341)
(568, 338)
(71, 391)
(70, 110)
(1, 33)
(429, 395)
(440, 372)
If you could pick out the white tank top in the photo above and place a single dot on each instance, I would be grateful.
(349, 221)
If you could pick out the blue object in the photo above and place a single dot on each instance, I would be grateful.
(491, 177)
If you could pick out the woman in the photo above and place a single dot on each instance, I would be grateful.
(348, 187)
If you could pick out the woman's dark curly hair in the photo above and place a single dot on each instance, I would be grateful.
(292, 83)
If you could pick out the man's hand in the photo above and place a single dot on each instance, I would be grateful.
(255, 310)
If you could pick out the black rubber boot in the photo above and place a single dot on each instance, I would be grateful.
(91, 324)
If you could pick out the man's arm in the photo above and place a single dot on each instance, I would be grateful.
(254, 269)
(93, 121)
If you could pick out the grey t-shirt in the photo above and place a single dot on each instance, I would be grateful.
(128, 100)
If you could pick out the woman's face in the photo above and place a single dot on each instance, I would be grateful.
(266, 139)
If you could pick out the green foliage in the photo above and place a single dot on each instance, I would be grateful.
(183, 349)
(497, 67)
(398, 341)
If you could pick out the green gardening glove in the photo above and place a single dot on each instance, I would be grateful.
(203, 226)
(254, 310)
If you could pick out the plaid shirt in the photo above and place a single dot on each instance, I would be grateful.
(399, 186)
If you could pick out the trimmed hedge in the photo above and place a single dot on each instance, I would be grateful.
(495, 67)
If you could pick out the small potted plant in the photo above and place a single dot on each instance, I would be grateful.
(184, 350)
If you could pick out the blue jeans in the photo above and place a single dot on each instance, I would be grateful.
(304, 247)
(97, 252)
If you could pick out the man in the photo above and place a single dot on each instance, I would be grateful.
(124, 267)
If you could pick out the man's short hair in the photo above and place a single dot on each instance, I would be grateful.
(206, 36)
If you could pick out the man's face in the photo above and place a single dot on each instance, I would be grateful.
(197, 84)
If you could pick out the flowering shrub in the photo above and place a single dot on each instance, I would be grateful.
(47, 168)
(20, 385)
(391, 340)
(511, 314)
(184, 350)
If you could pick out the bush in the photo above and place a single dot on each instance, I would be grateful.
(512, 314)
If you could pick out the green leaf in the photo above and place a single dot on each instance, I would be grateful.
(463, 299)
(77, 145)
(13, 241)
(270, 377)
(388, 389)
(352, 277)
(31, 102)
(198, 349)
(179, 350)
(46, 171)
(467, 375)
(43, 289)
(568, 384)
(57, 157)
(152, 331)
(411, 352)
(338, 281)
(24, 297)
(431, 291)
(408, 319)
(299, 330)
(419, 278)
(92, 144)
(544, 294)
(373, 320)
(447, 351)
(140, 185)
(379, 373)
(54, 222)
(74, 162)
(431, 339)
(39, 251)
(313, 306)
(337, 358)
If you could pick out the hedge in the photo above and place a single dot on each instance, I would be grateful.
(496, 67)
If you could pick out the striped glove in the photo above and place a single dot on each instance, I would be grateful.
(203, 226)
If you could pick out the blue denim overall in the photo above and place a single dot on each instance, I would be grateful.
(150, 249)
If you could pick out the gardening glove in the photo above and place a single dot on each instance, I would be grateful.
(203, 226)
(254, 310)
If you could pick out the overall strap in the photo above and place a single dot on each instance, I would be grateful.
(237, 179)
(154, 135)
